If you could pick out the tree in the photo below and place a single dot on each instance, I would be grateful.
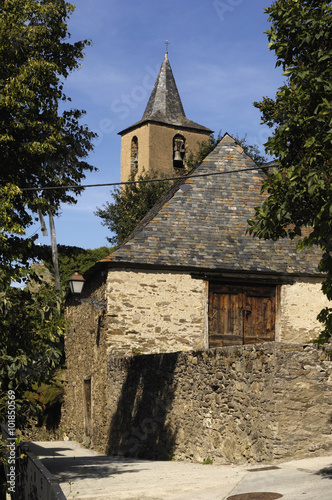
(131, 204)
(299, 191)
(31, 344)
(72, 258)
(39, 147)
(10, 227)
(31, 325)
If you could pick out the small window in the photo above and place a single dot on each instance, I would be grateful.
(87, 406)
(134, 155)
(179, 151)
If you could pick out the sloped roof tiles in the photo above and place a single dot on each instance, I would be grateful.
(201, 224)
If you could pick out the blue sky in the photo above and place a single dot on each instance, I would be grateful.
(220, 60)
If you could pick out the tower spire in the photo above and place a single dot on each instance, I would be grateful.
(160, 140)
(165, 102)
(164, 105)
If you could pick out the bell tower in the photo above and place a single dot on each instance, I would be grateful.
(161, 141)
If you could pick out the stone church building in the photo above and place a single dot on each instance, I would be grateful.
(160, 142)
(189, 277)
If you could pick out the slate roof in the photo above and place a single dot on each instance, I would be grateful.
(201, 224)
(164, 105)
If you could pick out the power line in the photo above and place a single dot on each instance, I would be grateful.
(34, 233)
(141, 181)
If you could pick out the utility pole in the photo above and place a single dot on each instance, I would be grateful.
(54, 247)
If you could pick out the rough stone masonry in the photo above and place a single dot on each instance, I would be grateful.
(256, 403)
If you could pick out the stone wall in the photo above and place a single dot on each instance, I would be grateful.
(142, 134)
(155, 312)
(300, 304)
(254, 403)
(155, 148)
(86, 356)
(257, 403)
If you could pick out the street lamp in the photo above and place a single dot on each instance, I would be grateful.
(76, 282)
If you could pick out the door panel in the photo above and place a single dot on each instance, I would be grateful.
(226, 325)
(241, 314)
(259, 319)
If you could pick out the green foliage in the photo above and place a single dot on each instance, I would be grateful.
(31, 343)
(299, 190)
(48, 398)
(208, 461)
(10, 227)
(39, 146)
(130, 205)
(206, 147)
(72, 258)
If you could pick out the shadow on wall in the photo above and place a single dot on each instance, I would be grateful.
(139, 427)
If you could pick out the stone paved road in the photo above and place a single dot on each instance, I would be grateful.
(85, 474)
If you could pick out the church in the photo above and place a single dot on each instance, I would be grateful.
(189, 277)
(160, 142)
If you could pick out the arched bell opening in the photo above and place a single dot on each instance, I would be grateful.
(179, 151)
(134, 155)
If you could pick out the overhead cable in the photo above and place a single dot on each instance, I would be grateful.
(141, 181)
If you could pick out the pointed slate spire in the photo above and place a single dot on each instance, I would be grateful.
(164, 105)
(165, 101)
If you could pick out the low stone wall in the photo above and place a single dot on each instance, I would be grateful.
(35, 481)
(30, 479)
(257, 403)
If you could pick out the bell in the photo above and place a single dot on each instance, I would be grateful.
(177, 156)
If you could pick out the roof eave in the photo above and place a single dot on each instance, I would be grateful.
(199, 128)
(213, 273)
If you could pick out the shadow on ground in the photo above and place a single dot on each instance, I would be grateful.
(326, 472)
(68, 469)
(47, 452)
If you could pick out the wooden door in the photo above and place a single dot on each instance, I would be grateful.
(241, 314)
(259, 315)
